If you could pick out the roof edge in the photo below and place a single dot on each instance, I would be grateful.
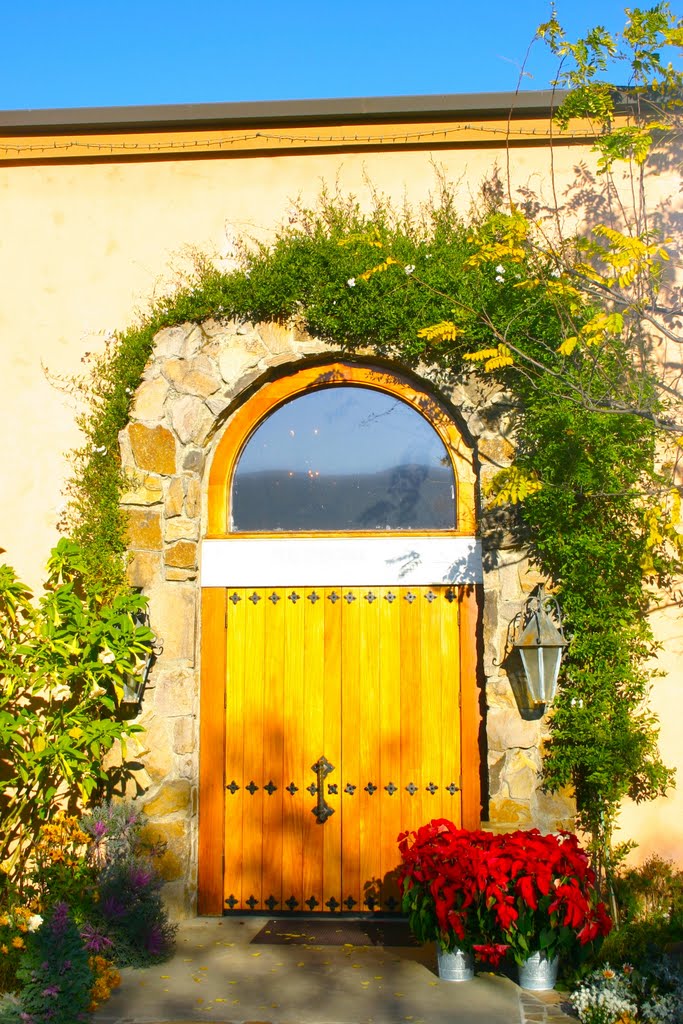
(193, 115)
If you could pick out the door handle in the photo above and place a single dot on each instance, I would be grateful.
(322, 809)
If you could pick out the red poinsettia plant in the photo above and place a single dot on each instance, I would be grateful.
(522, 892)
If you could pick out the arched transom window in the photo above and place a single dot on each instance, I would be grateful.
(343, 458)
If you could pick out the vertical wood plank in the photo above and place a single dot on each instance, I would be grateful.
(389, 744)
(411, 709)
(450, 706)
(314, 736)
(332, 689)
(430, 608)
(369, 744)
(470, 714)
(296, 772)
(253, 606)
(351, 728)
(273, 747)
(211, 753)
(234, 746)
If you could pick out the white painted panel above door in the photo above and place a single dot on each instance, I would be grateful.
(340, 561)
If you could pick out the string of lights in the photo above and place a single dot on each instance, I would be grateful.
(202, 144)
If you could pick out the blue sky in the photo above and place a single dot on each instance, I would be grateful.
(72, 53)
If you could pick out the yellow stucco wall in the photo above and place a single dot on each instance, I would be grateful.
(85, 243)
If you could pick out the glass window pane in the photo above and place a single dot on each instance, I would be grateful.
(344, 458)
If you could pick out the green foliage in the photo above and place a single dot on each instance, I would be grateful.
(133, 914)
(652, 893)
(638, 941)
(588, 533)
(55, 975)
(129, 909)
(63, 662)
(638, 50)
(94, 517)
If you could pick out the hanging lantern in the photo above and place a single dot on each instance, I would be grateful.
(540, 642)
(134, 685)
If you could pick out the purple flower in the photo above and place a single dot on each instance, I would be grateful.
(111, 907)
(94, 940)
(99, 830)
(60, 919)
(154, 941)
(51, 990)
(139, 877)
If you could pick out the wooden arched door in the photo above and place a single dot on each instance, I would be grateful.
(339, 702)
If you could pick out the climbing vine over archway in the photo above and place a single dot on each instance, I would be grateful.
(593, 509)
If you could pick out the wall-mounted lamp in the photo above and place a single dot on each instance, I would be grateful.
(540, 641)
(134, 685)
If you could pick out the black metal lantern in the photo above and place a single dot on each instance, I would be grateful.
(134, 685)
(540, 642)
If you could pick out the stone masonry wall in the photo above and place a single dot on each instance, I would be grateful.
(192, 382)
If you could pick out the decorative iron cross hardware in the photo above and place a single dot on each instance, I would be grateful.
(322, 809)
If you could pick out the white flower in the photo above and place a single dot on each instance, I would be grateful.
(61, 692)
(97, 690)
(34, 922)
(500, 269)
(106, 657)
(556, 272)
(409, 268)
(351, 282)
(500, 279)
(101, 450)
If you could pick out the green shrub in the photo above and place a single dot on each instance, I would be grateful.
(55, 975)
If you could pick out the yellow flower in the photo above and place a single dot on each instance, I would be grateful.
(18, 942)
(4, 948)
(4, 920)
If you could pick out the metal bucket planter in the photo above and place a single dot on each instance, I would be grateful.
(538, 974)
(455, 966)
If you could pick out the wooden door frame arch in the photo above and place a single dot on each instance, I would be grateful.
(237, 432)
(311, 378)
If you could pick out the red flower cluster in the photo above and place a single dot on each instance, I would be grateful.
(478, 890)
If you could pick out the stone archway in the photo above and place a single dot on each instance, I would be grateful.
(196, 379)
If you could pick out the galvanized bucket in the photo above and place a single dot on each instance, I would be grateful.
(455, 966)
(538, 973)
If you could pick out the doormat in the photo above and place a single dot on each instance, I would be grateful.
(307, 932)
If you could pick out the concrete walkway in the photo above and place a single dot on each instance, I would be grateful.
(218, 975)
